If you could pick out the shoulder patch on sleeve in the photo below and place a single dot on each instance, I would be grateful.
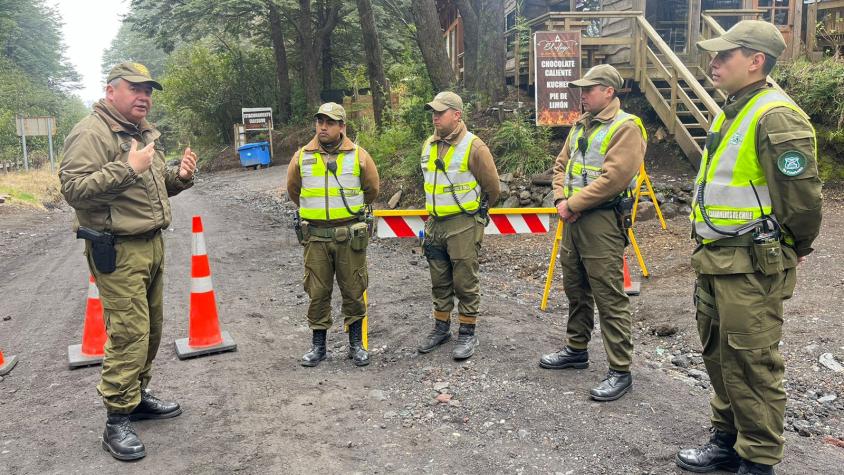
(791, 163)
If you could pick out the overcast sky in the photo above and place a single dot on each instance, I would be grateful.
(89, 27)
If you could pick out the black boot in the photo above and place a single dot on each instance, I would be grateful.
(717, 454)
(357, 354)
(615, 385)
(151, 407)
(317, 353)
(568, 357)
(466, 342)
(120, 439)
(750, 468)
(438, 335)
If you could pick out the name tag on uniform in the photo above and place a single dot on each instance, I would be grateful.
(308, 161)
(457, 188)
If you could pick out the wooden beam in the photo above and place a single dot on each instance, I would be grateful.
(828, 5)
(796, 35)
(694, 29)
(811, 28)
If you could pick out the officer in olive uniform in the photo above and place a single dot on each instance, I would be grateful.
(756, 212)
(592, 178)
(460, 182)
(331, 180)
(114, 175)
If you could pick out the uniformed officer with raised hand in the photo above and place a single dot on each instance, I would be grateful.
(114, 175)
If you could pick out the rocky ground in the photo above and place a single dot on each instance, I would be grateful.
(258, 411)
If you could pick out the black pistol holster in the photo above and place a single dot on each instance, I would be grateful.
(103, 252)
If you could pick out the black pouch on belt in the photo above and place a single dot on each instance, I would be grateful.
(103, 252)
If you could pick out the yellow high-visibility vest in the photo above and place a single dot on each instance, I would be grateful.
(596, 152)
(320, 198)
(730, 175)
(442, 187)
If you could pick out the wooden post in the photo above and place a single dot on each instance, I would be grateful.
(811, 29)
(694, 30)
(797, 30)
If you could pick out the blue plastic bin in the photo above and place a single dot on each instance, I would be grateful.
(254, 154)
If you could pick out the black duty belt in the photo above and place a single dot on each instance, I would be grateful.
(137, 237)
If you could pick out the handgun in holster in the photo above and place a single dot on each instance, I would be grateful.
(103, 252)
(297, 227)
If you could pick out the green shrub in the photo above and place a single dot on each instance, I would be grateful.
(818, 88)
(521, 148)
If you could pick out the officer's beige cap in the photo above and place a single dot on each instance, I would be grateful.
(600, 75)
(332, 110)
(754, 34)
(444, 101)
(133, 72)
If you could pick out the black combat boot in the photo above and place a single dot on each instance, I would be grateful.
(750, 468)
(357, 354)
(568, 357)
(120, 439)
(717, 454)
(151, 407)
(466, 342)
(615, 385)
(317, 353)
(438, 335)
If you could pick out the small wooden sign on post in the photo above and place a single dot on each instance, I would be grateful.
(557, 56)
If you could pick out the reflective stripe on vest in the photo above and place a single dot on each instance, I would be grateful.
(729, 198)
(596, 153)
(320, 198)
(441, 188)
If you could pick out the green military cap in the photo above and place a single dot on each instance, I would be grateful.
(332, 110)
(754, 34)
(133, 72)
(603, 75)
(444, 101)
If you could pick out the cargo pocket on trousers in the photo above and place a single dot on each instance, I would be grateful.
(761, 346)
(114, 307)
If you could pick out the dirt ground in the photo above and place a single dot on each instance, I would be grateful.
(257, 411)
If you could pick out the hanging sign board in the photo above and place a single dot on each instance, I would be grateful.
(557, 57)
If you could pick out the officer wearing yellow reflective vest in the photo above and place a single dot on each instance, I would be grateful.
(332, 180)
(756, 212)
(592, 178)
(460, 182)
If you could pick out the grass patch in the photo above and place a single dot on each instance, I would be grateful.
(37, 188)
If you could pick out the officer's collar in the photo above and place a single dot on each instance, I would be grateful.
(455, 136)
(606, 115)
(116, 122)
(316, 146)
(737, 101)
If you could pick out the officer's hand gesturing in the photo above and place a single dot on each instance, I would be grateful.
(141, 160)
(188, 165)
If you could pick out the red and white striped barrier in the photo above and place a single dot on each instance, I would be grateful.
(409, 223)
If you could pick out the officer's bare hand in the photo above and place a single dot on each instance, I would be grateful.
(141, 160)
(801, 260)
(573, 217)
(188, 165)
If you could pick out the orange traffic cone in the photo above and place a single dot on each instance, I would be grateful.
(204, 335)
(630, 287)
(91, 351)
(6, 364)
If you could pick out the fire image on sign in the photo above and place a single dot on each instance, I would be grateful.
(557, 56)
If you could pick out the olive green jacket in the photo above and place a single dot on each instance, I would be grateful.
(99, 184)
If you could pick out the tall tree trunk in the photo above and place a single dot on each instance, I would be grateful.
(471, 36)
(310, 64)
(374, 61)
(429, 37)
(492, 47)
(281, 67)
(327, 63)
(312, 41)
